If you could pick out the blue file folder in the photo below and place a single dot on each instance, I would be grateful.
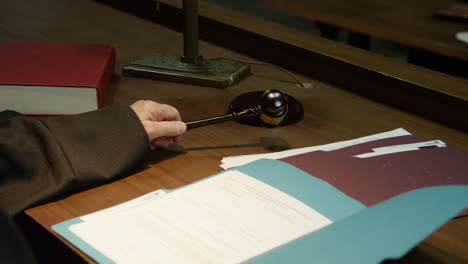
(357, 234)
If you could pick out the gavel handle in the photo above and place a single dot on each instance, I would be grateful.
(209, 121)
(217, 119)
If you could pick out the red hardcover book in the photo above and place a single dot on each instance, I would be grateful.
(46, 78)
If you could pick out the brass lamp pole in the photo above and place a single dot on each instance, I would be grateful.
(191, 67)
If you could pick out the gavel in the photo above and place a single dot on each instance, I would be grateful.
(271, 111)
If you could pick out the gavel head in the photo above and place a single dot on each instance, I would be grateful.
(273, 107)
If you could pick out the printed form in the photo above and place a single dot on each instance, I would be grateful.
(227, 218)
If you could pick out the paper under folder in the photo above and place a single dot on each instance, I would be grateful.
(350, 238)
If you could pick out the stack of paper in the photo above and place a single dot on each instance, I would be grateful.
(234, 161)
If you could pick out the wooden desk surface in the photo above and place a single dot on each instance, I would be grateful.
(412, 22)
(331, 114)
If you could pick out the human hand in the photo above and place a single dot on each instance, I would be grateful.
(162, 122)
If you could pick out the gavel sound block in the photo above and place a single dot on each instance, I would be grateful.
(271, 108)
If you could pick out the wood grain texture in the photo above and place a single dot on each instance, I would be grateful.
(413, 23)
(331, 113)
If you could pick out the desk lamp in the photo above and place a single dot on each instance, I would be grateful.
(191, 67)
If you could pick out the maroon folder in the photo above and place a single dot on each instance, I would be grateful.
(375, 179)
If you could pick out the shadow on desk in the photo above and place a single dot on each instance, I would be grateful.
(270, 144)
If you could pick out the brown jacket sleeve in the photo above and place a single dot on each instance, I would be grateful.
(42, 158)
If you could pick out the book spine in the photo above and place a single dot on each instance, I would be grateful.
(106, 77)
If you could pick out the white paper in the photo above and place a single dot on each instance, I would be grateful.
(401, 148)
(227, 218)
(235, 161)
(123, 207)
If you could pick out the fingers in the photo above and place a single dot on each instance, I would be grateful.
(160, 143)
(149, 110)
(167, 129)
(162, 122)
(168, 113)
